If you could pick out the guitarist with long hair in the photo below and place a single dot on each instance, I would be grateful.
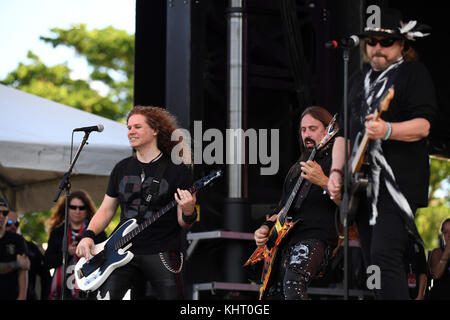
(394, 83)
(141, 184)
(304, 252)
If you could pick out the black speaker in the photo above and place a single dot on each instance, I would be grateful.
(150, 53)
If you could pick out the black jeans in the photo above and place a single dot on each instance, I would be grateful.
(166, 284)
(297, 266)
(384, 245)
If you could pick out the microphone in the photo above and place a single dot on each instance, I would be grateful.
(98, 128)
(346, 43)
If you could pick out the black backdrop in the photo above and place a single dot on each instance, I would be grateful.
(286, 69)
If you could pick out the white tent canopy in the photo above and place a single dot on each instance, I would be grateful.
(35, 141)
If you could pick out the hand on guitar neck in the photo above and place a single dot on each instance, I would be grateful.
(313, 172)
(262, 234)
(375, 128)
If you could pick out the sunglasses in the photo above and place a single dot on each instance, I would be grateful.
(11, 222)
(385, 43)
(77, 207)
(5, 212)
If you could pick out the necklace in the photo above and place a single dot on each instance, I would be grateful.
(151, 161)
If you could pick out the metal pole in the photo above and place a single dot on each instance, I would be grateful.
(344, 204)
(235, 85)
(235, 205)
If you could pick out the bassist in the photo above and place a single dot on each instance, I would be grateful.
(141, 185)
(306, 249)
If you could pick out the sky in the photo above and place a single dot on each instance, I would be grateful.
(22, 22)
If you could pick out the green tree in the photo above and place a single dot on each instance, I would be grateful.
(109, 53)
(428, 222)
(428, 219)
(110, 56)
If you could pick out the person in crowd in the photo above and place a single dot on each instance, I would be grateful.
(397, 145)
(305, 251)
(37, 271)
(141, 184)
(80, 211)
(417, 271)
(14, 261)
(440, 266)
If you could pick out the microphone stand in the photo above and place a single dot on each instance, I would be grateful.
(65, 184)
(345, 196)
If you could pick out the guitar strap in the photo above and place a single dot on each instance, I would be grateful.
(153, 189)
(380, 168)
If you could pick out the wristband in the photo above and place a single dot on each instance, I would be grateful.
(268, 223)
(338, 171)
(89, 234)
(190, 219)
(388, 132)
(15, 265)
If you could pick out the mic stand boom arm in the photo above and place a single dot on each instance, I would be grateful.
(65, 184)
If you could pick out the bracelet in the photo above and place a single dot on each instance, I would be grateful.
(388, 132)
(338, 171)
(190, 219)
(89, 234)
(443, 260)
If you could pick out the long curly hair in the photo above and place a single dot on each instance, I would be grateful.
(58, 210)
(164, 123)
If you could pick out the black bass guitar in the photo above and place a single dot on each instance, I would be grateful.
(112, 253)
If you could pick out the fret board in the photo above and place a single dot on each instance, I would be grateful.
(147, 222)
(291, 198)
(199, 184)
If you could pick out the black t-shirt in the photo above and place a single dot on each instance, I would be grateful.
(416, 264)
(316, 212)
(441, 286)
(414, 97)
(125, 184)
(11, 244)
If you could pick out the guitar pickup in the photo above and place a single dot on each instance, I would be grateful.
(80, 274)
(94, 263)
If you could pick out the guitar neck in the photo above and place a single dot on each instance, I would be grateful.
(146, 223)
(294, 192)
(198, 185)
(359, 155)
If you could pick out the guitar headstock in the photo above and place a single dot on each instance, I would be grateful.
(330, 132)
(206, 180)
(388, 96)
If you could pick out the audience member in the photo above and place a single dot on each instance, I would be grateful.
(38, 275)
(416, 268)
(439, 265)
(14, 261)
(81, 209)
